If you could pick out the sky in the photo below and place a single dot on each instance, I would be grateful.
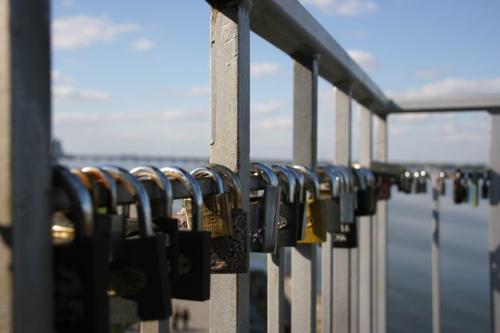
(132, 77)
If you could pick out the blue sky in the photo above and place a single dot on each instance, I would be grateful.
(133, 77)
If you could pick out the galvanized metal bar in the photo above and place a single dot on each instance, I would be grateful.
(456, 103)
(365, 227)
(494, 228)
(436, 299)
(380, 238)
(230, 144)
(343, 258)
(327, 284)
(304, 264)
(25, 167)
(276, 291)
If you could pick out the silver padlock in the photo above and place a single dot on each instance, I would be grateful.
(348, 205)
(264, 210)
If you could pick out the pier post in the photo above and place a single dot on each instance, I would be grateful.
(25, 167)
(365, 225)
(436, 297)
(344, 260)
(304, 261)
(494, 227)
(230, 144)
(380, 235)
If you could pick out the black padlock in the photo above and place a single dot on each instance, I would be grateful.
(405, 182)
(300, 202)
(264, 211)
(459, 188)
(229, 255)
(141, 258)
(345, 233)
(366, 193)
(330, 182)
(383, 188)
(485, 187)
(80, 263)
(162, 210)
(289, 218)
(194, 245)
(442, 183)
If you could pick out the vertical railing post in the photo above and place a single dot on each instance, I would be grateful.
(304, 265)
(25, 167)
(494, 228)
(365, 227)
(436, 316)
(230, 144)
(276, 291)
(342, 257)
(380, 238)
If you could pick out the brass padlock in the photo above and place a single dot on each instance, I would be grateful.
(216, 212)
(315, 232)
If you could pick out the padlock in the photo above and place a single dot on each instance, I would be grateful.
(230, 254)
(383, 188)
(264, 210)
(473, 189)
(442, 183)
(194, 244)
(162, 220)
(366, 195)
(80, 263)
(485, 187)
(330, 182)
(289, 218)
(345, 233)
(139, 271)
(405, 183)
(459, 189)
(107, 219)
(216, 213)
(316, 223)
(300, 202)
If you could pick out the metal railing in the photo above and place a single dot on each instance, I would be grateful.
(353, 280)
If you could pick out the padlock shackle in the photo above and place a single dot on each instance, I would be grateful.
(360, 176)
(154, 174)
(140, 195)
(348, 177)
(192, 186)
(334, 178)
(81, 201)
(103, 177)
(265, 172)
(232, 181)
(207, 172)
(299, 177)
(288, 178)
(311, 180)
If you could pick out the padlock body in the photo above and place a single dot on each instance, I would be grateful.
(147, 257)
(80, 285)
(229, 255)
(315, 232)
(194, 266)
(289, 220)
(367, 202)
(345, 235)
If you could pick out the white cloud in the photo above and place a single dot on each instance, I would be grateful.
(277, 123)
(81, 31)
(343, 7)
(268, 107)
(71, 93)
(143, 44)
(261, 69)
(59, 77)
(450, 87)
(192, 91)
(365, 59)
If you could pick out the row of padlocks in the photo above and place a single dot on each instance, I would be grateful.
(121, 253)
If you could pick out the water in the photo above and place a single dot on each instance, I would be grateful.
(464, 262)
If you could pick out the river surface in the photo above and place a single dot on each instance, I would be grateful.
(464, 262)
